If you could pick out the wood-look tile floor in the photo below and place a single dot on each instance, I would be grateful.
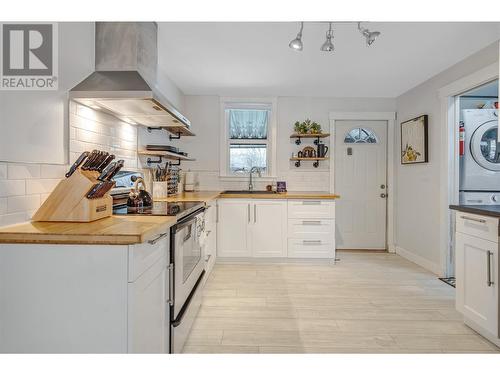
(366, 303)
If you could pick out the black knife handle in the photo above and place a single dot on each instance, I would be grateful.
(115, 170)
(77, 163)
(93, 190)
(90, 159)
(105, 163)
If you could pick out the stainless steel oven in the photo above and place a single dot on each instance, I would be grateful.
(188, 271)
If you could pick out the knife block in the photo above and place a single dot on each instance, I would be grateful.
(68, 201)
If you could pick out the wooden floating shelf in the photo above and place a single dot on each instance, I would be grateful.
(316, 137)
(301, 159)
(164, 155)
(308, 135)
(177, 131)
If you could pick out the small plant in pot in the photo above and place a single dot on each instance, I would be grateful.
(315, 128)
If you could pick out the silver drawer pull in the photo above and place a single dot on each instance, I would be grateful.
(473, 219)
(208, 232)
(311, 222)
(310, 242)
(489, 255)
(311, 203)
(152, 242)
(208, 257)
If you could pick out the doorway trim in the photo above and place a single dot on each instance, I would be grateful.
(390, 117)
(449, 153)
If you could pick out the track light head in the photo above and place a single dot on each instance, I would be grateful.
(296, 44)
(370, 36)
(328, 45)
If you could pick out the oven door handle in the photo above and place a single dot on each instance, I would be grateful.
(185, 308)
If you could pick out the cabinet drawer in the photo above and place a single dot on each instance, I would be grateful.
(305, 228)
(484, 227)
(320, 247)
(142, 256)
(311, 209)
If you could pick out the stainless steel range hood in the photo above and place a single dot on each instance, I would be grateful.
(126, 60)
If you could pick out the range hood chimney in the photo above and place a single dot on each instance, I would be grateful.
(123, 84)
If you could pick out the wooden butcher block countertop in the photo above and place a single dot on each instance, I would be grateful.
(207, 196)
(114, 230)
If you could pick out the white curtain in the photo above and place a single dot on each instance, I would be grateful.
(248, 123)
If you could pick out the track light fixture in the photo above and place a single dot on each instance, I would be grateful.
(328, 45)
(369, 35)
(296, 44)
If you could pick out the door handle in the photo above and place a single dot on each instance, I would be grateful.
(170, 269)
(154, 241)
(489, 255)
(248, 212)
(473, 219)
(216, 213)
(383, 195)
(255, 213)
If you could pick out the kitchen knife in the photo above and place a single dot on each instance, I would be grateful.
(105, 163)
(112, 173)
(90, 160)
(100, 160)
(77, 163)
(106, 171)
(99, 189)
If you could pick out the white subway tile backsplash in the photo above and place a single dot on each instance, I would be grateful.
(3, 171)
(41, 186)
(9, 188)
(3, 206)
(23, 171)
(53, 171)
(23, 203)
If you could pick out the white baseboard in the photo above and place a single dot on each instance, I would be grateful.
(417, 259)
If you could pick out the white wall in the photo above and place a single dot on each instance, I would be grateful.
(34, 123)
(418, 186)
(204, 113)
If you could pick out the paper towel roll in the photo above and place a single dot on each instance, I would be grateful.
(189, 178)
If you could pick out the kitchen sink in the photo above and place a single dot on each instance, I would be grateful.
(248, 192)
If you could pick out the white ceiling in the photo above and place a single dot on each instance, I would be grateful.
(245, 59)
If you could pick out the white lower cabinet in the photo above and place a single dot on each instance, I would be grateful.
(233, 219)
(85, 298)
(267, 229)
(251, 228)
(477, 266)
(275, 228)
(210, 245)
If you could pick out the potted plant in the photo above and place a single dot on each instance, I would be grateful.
(315, 128)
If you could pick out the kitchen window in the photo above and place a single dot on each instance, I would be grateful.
(248, 137)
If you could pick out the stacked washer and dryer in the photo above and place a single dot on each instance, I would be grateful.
(480, 164)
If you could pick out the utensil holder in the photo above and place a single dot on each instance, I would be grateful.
(160, 189)
(69, 202)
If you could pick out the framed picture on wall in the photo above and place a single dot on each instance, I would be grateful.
(414, 141)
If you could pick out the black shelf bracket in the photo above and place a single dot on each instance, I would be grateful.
(317, 141)
(298, 141)
(175, 164)
(297, 163)
(150, 129)
(178, 136)
(150, 161)
(315, 163)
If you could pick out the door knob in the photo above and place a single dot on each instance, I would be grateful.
(383, 195)
(382, 186)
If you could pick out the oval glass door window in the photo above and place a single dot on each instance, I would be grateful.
(360, 135)
(484, 146)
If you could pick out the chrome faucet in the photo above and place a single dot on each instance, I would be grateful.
(252, 170)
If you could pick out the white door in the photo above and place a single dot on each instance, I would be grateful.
(148, 319)
(477, 281)
(268, 229)
(232, 228)
(360, 180)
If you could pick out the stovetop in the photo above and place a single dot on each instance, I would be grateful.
(178, 209)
